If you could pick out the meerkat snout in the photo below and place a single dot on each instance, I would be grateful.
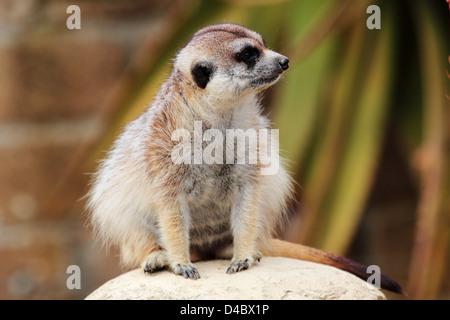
(284, 63)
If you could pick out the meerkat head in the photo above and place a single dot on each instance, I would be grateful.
(228, 60)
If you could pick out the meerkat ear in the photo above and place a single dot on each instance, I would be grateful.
(201, 73)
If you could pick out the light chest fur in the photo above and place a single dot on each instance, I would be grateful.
(209, 191)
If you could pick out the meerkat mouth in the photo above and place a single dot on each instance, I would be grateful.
(262, 81)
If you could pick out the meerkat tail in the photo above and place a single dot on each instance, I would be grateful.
(286, 249)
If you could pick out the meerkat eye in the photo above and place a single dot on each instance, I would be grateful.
(248, 55)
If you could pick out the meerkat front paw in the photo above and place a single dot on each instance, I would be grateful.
(186, 270)
(155, 261)
(243, 264)
(160, 259)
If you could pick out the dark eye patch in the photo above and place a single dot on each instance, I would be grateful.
(202, 72)
(248, 55)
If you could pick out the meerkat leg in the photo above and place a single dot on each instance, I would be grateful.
(244, 222)
(175, 238)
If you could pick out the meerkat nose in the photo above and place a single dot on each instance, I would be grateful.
(284, 63)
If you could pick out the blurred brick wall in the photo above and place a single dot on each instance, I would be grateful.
(52, 83)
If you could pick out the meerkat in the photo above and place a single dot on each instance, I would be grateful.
(166, 213)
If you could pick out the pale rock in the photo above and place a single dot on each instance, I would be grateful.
(271, 279)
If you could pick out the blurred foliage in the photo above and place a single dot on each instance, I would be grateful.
(345, 85)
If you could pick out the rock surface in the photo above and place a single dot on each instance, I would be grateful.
(273, 278)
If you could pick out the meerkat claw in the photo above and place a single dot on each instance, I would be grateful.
(187, 271)
(238, 265)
